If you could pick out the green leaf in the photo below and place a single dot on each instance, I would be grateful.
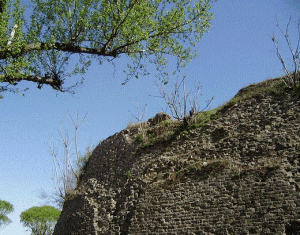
(147, 31)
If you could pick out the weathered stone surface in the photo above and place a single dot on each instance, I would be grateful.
(238, 174)
(159, 118)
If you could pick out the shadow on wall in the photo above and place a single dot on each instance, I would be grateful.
(293, 228)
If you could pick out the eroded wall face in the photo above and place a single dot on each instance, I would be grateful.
(227, 204)
(222, 204)
(239, 174)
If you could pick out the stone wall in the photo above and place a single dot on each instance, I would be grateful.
(238, 174)
(225, 204)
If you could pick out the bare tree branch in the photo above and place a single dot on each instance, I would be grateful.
(291, 79)
(179, 100)
(66, 174)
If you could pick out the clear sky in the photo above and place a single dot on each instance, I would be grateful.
(236, 52)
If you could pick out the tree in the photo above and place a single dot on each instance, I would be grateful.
(40, 49)
(66, 175)
(292, 72)
(5, 208)
(40, 220)
(3, 5)
(69, 164)
(182, 103)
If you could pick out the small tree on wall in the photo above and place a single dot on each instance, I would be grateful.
(69, 164)
(292, 72)
(181, 102)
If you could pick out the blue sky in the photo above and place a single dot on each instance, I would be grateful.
(236, 52)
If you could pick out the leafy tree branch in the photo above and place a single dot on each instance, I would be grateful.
(96, 30)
